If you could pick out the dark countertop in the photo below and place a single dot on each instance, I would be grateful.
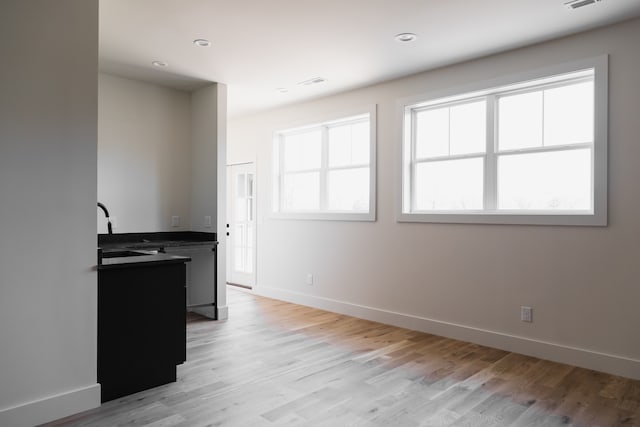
(140, 260)
(154, 241)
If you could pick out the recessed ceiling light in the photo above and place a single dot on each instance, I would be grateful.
(202, 42)
(405, 37)
(159, 64)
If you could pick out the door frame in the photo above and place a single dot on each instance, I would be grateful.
(230, 204)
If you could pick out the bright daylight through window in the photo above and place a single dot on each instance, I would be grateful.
(327, 170)
(531, 150)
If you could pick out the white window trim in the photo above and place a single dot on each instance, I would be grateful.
(596, 218)
(276, 183)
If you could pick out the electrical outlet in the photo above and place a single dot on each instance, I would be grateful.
(175, 221)
(310, 279)
(207, 221)
(526, 314)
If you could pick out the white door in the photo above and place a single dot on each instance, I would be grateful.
(241, 229)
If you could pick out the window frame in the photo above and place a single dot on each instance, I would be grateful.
(322, 213)
(492, 90)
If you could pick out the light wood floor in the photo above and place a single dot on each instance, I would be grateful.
(279, 364)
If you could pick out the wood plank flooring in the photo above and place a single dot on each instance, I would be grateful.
(279, 364)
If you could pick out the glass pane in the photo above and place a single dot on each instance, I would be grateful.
(302, 151)
(349, 144)
(449, 185)
(568, 114)
(432, 133)
(339, 145)
(301, 191)
(558, 180)
(249, 264)
(520, 121)
(250, 232)
(468, 130)
(249, 185)
(239, 236)
(240, 185)
(361, 143)
(240, 210)
(349, 190)
(238, 259)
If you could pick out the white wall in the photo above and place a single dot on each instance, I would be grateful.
(204, 177)
(144, 155)
(48, 132)
(469, 281)
(209, 140)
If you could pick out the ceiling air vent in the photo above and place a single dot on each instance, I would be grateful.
(312, 81)
(577, 4)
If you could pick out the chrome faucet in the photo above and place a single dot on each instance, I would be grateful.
(106, 214)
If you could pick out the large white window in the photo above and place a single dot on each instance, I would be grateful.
(326, 170)
(528, 149)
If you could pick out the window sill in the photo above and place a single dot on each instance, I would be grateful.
(507, 218)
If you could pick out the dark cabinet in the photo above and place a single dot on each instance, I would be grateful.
(141, 327)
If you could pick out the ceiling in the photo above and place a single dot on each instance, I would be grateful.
(261, 46)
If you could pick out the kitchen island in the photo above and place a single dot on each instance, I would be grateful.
(141, 321)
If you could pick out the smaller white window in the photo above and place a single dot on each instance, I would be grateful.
(326, 170)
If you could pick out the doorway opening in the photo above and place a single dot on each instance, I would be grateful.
(241, 228)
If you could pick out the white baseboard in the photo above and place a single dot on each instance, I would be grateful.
(223, 312)
(51, 408)
(603, 362)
